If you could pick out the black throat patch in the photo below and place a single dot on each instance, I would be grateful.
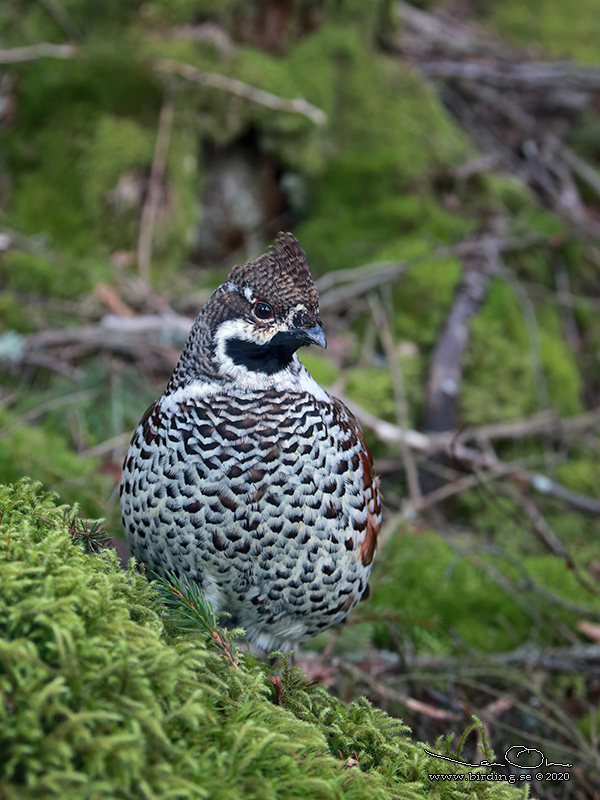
(268, 358)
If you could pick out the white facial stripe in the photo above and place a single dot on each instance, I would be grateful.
(246, 291)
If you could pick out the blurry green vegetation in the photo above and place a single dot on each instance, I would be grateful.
(452, 604)
(542, 26)
(102, 697)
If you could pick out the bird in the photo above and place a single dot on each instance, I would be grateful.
(246, 477)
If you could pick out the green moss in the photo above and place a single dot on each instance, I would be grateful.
(551, 25)
(116, 145)
(498, 378)
(366, 196)
(371, 388)
(422, 578)
(99, 700)
(424, 297)
(175, 226)
(13, 316)
(50, 276)
(47, 198)
(498, 381)
(74, 136)
(510, 193)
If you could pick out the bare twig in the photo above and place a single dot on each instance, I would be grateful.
(358, 281)
(467, 482)
(562, 298)
(395, 365)
(563, 288)
(470, 458)
(527, 657)
(445, 366)
(155, 185)
(386, 431)
(542, 422)
(340, 286)
(139, 337)
(586, 172)
(530, 75)
(386, 692)
(206, 32)
(422, 31)
(116, 443)
(516, 589)
(547, 536)
(241, 89)
(32, 52)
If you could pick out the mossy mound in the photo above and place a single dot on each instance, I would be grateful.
(100, 699)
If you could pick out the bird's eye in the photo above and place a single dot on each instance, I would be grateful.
(262, 310)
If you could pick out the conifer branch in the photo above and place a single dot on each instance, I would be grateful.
(191, 611)
(91, 534)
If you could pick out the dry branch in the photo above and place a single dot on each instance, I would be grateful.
(241, 89)
(385, 335)
(514, 107)
(155, 185)
(578, 659)
(15, 55)
(547, 536)
(445, 366)
(531, 75)
(339, 287)
(470, 459)
(386, 692)
(154, 341)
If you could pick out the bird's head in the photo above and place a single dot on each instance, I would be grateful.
(266, 310)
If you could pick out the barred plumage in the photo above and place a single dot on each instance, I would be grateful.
(245, 475)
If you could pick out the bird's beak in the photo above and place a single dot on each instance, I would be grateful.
(315, 335)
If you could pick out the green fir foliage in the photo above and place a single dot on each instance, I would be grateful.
(100, 699)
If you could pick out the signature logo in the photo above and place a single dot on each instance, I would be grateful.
(511, 758)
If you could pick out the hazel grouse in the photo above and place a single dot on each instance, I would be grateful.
(246, 476)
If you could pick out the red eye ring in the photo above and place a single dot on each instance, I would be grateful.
(262, 310)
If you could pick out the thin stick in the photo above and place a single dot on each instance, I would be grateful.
(161, 149)
(34, 51)
(387, 341)
(241, 89)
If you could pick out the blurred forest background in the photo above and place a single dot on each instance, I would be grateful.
(440, 164)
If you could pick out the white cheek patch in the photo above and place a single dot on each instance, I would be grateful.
(231, 329)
